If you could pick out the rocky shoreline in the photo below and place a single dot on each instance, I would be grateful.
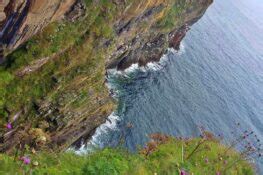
(68, 62)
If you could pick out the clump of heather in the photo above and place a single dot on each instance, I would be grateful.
(246, 142)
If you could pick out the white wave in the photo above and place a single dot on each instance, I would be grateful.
(151, 66)
(181, 50)
(132, 68)
(109, 125)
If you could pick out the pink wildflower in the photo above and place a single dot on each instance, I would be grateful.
(218, 173)
(182, 172)
(9, 126)
(206, 160)
(26, 160)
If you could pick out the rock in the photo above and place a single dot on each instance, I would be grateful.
(38, 136)
(44, 125)
(42, 139)
(137, 39)
(76, 12)
(129, 125)
(33, 151)
(21, 19)
(3, 4)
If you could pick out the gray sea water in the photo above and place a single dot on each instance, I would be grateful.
(215, 81)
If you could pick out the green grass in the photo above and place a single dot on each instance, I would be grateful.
(75, 41)
(74, 51)
(164, 159)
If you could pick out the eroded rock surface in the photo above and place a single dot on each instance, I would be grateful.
(57, 79)
(21, 19)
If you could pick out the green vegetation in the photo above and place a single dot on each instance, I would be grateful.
(163, 156)
(57, 39)
(71, 58)
(70, 49)
(57, 77)
(70, 80)
(168, 22)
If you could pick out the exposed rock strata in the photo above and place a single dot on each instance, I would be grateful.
(21, 19)
(142, 32)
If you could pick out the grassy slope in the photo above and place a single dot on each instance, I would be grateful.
(166, 158)
(17, 92)
(75, 54)
(71, 80)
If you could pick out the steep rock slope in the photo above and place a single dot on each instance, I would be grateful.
(21, 19)
(53, 88)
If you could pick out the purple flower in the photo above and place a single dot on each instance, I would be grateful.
(26, 160)
(218, 173)
(206, 160)
(9, 126)
(182, 172)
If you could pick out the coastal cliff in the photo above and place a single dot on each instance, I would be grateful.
(55, 54)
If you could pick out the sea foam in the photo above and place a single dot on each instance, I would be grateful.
(112, 120)
(109, 125)
(150, 66)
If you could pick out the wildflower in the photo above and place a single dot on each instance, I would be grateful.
(206, 160)
(9, 126)
(225, 162)
(182, 172)
(218, 173)
(26, 160)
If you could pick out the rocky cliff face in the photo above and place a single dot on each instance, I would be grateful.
(53, 87)
(21, 19)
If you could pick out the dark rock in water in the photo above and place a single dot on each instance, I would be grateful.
(177, 36)
(129, 125)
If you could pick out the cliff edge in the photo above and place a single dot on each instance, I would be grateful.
(52, 80)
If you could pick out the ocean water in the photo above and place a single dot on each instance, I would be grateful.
(214, 81)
